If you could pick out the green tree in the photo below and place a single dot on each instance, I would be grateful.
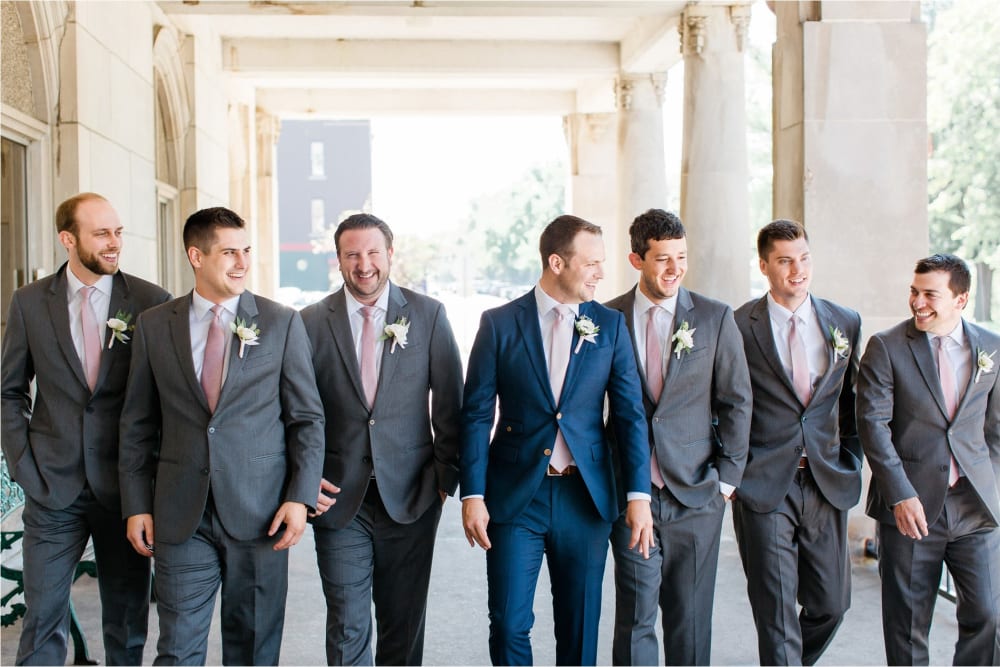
(963, 115)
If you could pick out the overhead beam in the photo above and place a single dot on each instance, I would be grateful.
(651, 46)
(353, 58)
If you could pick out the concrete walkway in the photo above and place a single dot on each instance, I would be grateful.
(457, 626)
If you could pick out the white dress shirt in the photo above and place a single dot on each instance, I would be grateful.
(664, 326)
(357, 321)
(200, 321)
(100, 302)
(959, 355)
(813, 337)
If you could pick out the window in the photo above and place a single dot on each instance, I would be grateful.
(317, 212)
(318, 160)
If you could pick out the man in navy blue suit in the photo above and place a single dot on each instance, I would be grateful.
(545, 485)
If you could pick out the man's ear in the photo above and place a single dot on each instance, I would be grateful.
(556, 263)
(194, 256)
(635, 261)
(963, 300)
(67, 239)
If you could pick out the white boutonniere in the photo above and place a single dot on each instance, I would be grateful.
(248, 335)
(397, 332)
(984, 362)
(119, 325)
(588, 331)
(839, 342)
(683, 339)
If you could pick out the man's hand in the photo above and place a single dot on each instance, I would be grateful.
(910, 519)
(640, 520)
(475, 518)
(325, 502)
(293, 515)
(139, 531)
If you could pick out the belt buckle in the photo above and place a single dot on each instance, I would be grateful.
(551, 472)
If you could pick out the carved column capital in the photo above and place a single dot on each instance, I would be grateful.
(623, 93)
(692, 30)
(739, 15)
(630, 90)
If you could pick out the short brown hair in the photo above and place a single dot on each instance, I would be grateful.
(66, 213)
(557, 238)
(199, 230)
(959, 278)
(778, 230)
(362, 221)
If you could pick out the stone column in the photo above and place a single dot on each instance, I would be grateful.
(715, 204)
(268, 127)
(850, 146)
(642, 170)
(593, 161)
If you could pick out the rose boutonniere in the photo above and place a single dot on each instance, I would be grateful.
(683, 339)
(588, 331)
(248, 334)
(397, 332)
(119, 325)
(984, 362)
(839, 343)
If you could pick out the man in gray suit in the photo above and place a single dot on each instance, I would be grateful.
(697, 400)
(804, 469)
(929, 418)
(62, 447)
(390, 377)
(221, 444)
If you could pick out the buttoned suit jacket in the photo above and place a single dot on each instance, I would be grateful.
(700, 427)
(413, 451)
(261, 447)
(782, 429)
(68, 435)
(905, 429)
(507, 362)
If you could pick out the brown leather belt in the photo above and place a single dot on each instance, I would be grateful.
(803, 463)
(568, 471)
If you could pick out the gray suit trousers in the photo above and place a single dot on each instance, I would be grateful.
(967, 540)
(376, 558)
(54, 541)
(677, 579)
(798, 551)
(254, 581)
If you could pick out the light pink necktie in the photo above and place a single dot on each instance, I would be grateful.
(562, 339)
(91, 338)
(946, 373)
(654, 379)
(369, 371)
(211, 367)
(800, 362)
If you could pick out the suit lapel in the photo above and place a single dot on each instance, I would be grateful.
(339, 321)
(684, 314)
(626, 305)
(825, 319)
(576, 359)
(396, 308)
(119, 303)
(764, 336)
(972, 336)
(58, 305)
(923, 356)
(180, 334)
(246, 311)
(531, 335)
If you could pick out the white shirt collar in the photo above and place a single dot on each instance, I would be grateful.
(382, 303)
(957, 335)
(782, 315)
(643, 302)
(201, 305)
(104, 284)
(546, 303)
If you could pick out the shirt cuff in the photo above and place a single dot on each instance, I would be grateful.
(636, 495)
(473, 495)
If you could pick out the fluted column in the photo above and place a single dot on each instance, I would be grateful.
(714, 172)
(642, 171)
(268, 129)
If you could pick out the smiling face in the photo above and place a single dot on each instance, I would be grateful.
(934, 306)
(364, 260)
(662, 268)
(96, 242)
(575, 279)
(221, 272)
(788, 269)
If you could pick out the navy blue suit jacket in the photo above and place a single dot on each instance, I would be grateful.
(508, 362)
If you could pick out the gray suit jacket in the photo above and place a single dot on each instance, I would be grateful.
(906, 433)
(263, 445)
(68, 435)
(412, 451)
(782, 429)
(701, 425)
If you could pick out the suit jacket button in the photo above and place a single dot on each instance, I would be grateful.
(944, 468)
(509, 429)
(366, 459)
(371, 422)
(558, 415)
(656, 420)
(204, 471)
(547, 452)
(211, 429)
(90, 409)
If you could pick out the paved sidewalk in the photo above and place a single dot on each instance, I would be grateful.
(457, 626)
